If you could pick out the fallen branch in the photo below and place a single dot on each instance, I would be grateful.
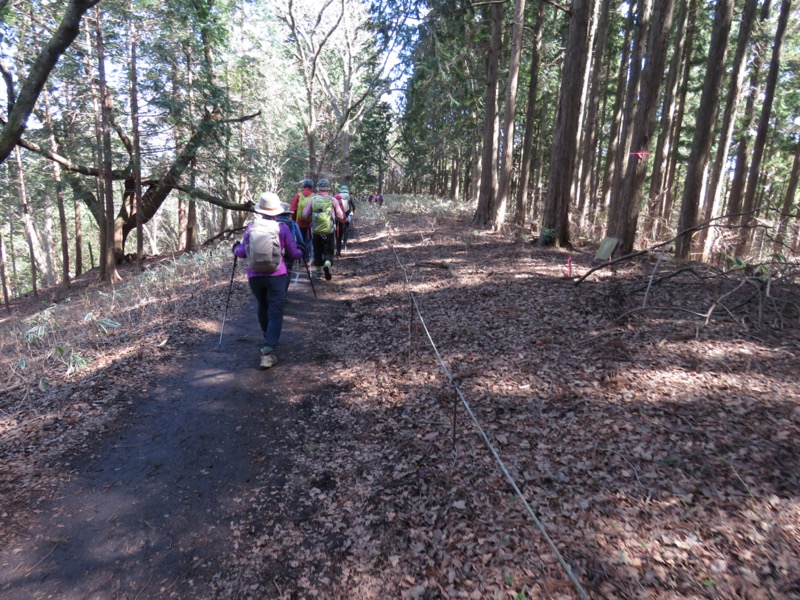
(658, 245)
(675, 308)
(451, 270)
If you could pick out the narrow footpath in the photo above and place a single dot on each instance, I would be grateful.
(149, 508)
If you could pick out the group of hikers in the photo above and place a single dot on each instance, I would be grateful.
(314, 222)
(376, 198)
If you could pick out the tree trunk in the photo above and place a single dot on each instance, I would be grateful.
(614, 141)
(591, 210)
(704, 127)
(62, 215)
(14, 272)
(486, 207)
(664, 144)
(78, 238)
(555, 218)
(34, 249)
(107, 163)
(537, 196)
(677, 124)
(475, 174)
(788, 201)
(705, 237)
(507, 151)
(455, 179)
(346, 168)
(632, 101)
(96, 207)
(137, 153)
(742, 151)
(191, 223)
(748, 220)
(4, 274)
(530, 119)
(592, 110)
(624, 212)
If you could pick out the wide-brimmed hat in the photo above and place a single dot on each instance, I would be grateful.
(269, 204)
(324, 185)
(285, 210)
(343, 189)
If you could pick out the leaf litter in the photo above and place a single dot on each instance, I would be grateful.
(659, 451)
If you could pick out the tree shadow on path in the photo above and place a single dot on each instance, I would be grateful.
(150, 508)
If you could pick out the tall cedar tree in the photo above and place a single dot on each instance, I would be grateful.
(704, 129)
(555, 218)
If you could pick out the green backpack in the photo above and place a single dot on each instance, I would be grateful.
(323, 219)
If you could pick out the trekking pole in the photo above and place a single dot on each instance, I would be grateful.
(228, 301)
(310, 279)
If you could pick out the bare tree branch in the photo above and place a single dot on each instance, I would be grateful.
(40, 70)
(215, 200)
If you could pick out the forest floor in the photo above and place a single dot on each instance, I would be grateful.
(648, 416)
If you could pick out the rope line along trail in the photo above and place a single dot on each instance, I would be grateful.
(562, 561)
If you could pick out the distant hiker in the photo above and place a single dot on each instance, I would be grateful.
(348, 208)
(298, 204)
(263, 245)
(286, 218)
(322, 211)
(371, 198)
(379, 199)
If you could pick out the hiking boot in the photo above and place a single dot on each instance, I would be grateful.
(268, 358)
(327, 269)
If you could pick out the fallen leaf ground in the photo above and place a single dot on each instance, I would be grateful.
(659, 450)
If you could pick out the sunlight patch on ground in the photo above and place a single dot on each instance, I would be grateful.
(206, 325)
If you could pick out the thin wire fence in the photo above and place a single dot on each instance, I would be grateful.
(567, 569)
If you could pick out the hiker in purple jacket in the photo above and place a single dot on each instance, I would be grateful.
(269, 288)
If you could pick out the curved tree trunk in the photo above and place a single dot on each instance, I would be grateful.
(24, 103)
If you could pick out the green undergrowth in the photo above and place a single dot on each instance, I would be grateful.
(413, 204)
(94, 323)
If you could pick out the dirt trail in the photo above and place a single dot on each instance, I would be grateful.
(660, 454)
(148, 509)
